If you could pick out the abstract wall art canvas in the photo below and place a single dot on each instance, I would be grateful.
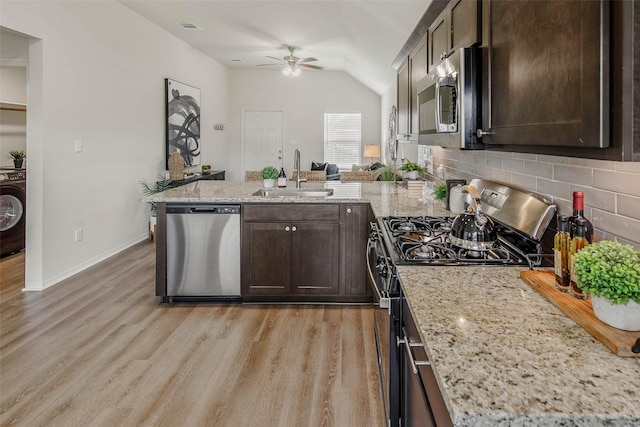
(183, 121)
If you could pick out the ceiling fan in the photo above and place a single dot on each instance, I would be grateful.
(293, 64)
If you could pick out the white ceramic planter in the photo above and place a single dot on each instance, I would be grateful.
(621, 316)
(269, 183)
(411, 175)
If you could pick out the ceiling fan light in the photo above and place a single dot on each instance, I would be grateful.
(291, 71)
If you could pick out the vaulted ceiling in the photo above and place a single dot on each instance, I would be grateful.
(360, 37)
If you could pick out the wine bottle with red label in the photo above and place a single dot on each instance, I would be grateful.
(578, 213)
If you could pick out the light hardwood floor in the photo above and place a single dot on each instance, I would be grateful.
(98, 350)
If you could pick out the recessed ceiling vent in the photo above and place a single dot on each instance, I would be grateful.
(189, 26)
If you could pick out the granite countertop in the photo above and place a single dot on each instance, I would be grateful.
(504, 355)
(386, 198)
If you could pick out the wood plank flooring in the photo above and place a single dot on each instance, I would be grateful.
(98, 350)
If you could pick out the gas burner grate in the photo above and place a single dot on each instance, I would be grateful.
(425, 240)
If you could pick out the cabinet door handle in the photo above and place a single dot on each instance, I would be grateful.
(348, 210)
(287, 228)
(293, 228)
(407, 345)
(480, 133)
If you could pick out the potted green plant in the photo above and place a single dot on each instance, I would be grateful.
(18, 157)
(387, 174)
(158, 186)
(269, 174)
(440, 193)
(206, 169)
(411, 169)
(610, 273)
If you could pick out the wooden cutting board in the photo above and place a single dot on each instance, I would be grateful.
(618, 341)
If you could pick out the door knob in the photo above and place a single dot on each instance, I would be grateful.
(293, 228)
(287, 228)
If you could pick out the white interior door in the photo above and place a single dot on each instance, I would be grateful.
(262, 139)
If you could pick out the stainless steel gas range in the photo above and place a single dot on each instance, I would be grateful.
(522, 237)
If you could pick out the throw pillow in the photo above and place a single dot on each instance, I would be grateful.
(316, 166)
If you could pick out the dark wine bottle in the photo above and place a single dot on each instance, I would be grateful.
(578, 242)
(578, 213)
(282, 179)
(561, 254)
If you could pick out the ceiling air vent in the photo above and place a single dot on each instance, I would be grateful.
(189, 25)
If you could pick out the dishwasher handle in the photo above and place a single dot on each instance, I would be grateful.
(203, 209)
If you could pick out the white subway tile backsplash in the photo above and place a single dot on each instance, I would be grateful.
(619, 225)
(605, 200)
(612, 189)
(501, 176)
(513, 165)
(493, 162)
(553, 159)
(628, 206)
(543, 170)
(555, 189)
(594, 164)
(573, 174)
(620, 182)
(628, 167)
(524, 156)
(524, 181)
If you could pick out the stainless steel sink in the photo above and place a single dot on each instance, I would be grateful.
(294, 192)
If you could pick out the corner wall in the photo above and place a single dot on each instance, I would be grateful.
(96, 74)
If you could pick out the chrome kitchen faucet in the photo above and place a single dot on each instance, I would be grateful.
(296, 166)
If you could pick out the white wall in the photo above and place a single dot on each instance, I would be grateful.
(304, 101)
(13, 124)
(96, 74)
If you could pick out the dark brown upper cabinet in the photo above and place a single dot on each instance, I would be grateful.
(457, 26)
(410, 72)
(546, 76)
(403, 88)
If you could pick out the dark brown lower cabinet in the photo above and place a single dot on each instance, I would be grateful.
(304, 252)
(421, 400)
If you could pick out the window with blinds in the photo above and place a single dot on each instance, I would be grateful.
(342, 139)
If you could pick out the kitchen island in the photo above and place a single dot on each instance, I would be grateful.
(501, 353)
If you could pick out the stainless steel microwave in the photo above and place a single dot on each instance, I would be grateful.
(449, 102)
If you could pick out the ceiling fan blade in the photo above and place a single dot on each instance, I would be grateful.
(274, 58)
(315, 67)
(310, 59)
(264, 65)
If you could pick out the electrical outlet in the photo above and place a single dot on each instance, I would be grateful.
(78, 235)
(78, 145)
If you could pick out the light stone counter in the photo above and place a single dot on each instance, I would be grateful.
(386, 198)
(505, 356)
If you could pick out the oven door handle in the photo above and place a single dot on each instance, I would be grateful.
(383, 301)
(407, 345)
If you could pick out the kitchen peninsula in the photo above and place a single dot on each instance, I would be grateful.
(501, 353)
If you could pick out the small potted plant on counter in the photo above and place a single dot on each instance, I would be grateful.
(160, 185)
(206, 169)
(411, 169)
(440, 193)
(269, 175)
(610, 273)
(18, 157)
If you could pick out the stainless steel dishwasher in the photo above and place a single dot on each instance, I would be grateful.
(203, 250)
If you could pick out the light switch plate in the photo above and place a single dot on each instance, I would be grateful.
(78, 145)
